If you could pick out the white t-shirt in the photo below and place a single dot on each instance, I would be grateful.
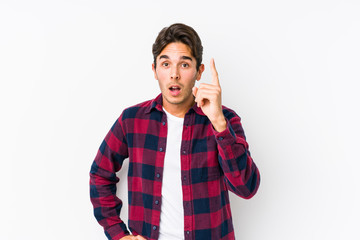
(172, 210)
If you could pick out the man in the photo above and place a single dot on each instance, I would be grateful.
(185, 149)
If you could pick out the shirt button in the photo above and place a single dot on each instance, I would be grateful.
(161, 149)
(163, 123)
(184, 177)
(221, 138)
(154, 227)
(187, 232)
(158, 175)
(184, 152)
(156, 202)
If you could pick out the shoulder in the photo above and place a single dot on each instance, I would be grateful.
(131, 114)
(136, 110)
(235, 121)
(229, 113)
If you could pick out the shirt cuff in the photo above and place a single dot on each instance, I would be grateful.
(225, 137)
(117, 231)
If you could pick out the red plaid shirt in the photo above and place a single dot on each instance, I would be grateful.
(211, 164)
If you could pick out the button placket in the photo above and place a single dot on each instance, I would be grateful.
(186, 163)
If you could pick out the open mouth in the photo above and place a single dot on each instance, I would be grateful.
(175, 90)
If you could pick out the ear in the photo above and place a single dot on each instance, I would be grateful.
(154, 70)
(200, 71)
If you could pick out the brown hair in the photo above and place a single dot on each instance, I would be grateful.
(179, 32)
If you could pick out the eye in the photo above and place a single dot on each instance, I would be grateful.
(185, 65)
(165, 64)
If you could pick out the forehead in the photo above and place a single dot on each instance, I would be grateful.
(176, 50)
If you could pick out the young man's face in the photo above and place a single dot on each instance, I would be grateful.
(176, 72)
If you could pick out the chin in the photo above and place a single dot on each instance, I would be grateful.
(173, 100)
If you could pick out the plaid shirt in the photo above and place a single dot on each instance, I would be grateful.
(211, 164)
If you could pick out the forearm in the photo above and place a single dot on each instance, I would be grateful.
(241, 174)
(107, 206)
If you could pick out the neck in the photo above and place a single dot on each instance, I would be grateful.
(178, 110)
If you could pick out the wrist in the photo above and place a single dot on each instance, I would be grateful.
(219, 124)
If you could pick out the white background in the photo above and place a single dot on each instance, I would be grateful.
(290, 69)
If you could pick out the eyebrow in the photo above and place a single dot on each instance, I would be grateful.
(183, 57)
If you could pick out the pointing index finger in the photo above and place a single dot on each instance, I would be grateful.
(214, 73)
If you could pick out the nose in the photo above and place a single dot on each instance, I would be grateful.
(175, 73)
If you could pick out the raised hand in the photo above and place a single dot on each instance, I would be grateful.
(208, 97)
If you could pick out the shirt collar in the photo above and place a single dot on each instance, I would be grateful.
(156, 103)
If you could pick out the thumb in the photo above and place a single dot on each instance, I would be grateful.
(194, 91)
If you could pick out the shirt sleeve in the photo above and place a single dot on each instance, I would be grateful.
(242, 177)
(103, 179)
